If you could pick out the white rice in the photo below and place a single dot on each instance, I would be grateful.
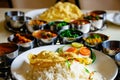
(60, 72)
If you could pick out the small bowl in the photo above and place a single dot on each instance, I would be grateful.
(9, 51)
(111, 47)
(82, 25)
(57, 26)
(33, 25)
(117, 58)
(94, 40)
(97, 22)
(69, 35)
(24, 41)
(45, 37)
(100, 13)
(10, 14)
(18, 21)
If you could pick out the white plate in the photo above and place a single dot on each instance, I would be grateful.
(34, 13)
(103, 64)
(114, 18)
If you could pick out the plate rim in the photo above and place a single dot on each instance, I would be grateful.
(111, 20)
(38, 11)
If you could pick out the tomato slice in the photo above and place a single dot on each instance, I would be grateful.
(85, 51)
(71, 49)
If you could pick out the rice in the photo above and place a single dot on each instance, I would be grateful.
(62, 72)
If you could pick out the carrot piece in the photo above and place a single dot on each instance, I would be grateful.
(85, 51)
(71, 49)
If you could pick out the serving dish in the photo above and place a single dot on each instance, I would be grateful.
(45, 37)
(34, 13)
(114, 18)
(10, 14)
(94, 40)
(33, 25)
(69, 35)
(24, 41)
(111, 47)
(8, 52)
(108, 69)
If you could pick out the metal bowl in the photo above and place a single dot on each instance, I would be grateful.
(33, 25)
(69, 35)
(94, 40)
(117, 58)
(111, 47)
(100, 13)
(45, 37)
(10, 14)
(56, 26)
(9, 51)
(18, 21)
(82, 25)
(97, 22)
(24, 41)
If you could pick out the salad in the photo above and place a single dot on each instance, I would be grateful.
(77, 51)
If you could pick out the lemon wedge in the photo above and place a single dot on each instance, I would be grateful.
(77, 45)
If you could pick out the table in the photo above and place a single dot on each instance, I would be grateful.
(113, 31)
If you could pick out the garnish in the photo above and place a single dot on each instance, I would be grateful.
(68, 63)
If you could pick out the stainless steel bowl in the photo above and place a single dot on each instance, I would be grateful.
(82, 25)
(56, 26)
(18, 21)
(24, 41)
(45, 37)
(9, 51)
(100, 13)
(69, 35)
(117, 58)
(10, 14)
(94, 40)
(111, 47)
(33, 25)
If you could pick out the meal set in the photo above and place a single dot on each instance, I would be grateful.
(58, 44)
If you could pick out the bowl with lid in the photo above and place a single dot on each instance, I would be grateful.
(24, 41)
(45, 37)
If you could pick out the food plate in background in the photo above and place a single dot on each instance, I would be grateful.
(103, 64)
(114, 18)
(34, 13)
